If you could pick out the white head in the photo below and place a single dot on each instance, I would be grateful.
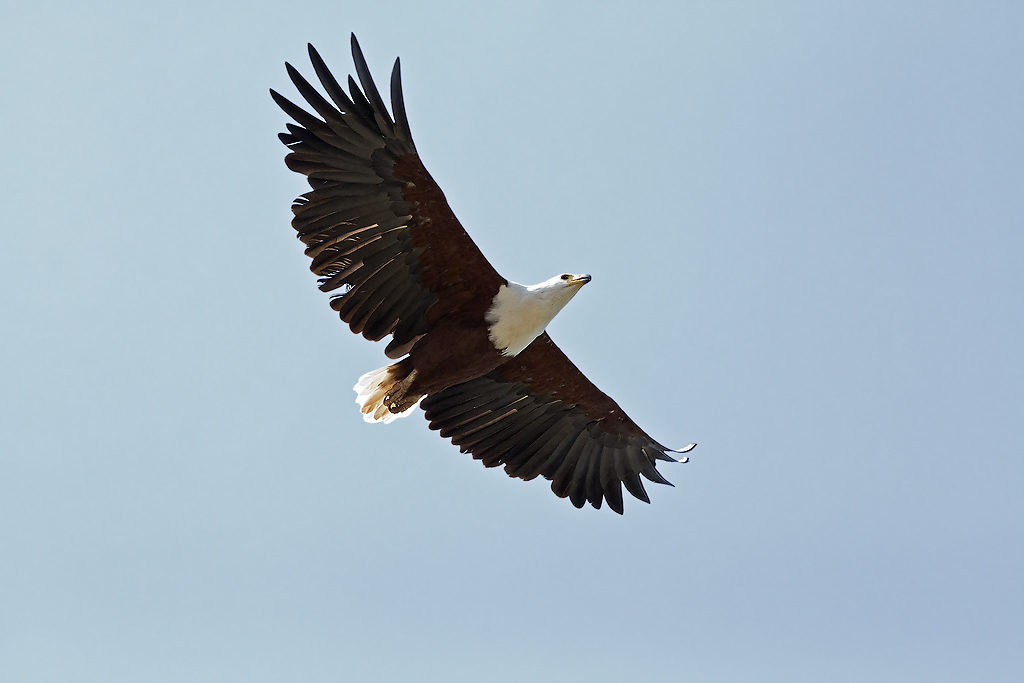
(559, 288)
(519, 313)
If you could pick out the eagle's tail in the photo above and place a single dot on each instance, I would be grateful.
(383, 394)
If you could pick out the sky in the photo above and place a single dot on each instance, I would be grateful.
(804, 223)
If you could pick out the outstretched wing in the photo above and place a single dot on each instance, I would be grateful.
(539, 415)
(375, 224)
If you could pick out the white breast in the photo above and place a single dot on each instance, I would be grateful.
(519, 314)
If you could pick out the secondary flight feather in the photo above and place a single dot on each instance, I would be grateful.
(471, 347)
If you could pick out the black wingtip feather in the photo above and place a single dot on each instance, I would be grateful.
(398, 102)
(635, 487)
(330, 83)
(369, 87)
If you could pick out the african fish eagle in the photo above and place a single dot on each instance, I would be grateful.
(472, 347)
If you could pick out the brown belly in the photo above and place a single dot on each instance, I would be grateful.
(451, 354)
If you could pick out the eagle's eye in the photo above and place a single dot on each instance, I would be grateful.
(566, 276)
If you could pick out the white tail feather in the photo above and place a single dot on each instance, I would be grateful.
(371, 392)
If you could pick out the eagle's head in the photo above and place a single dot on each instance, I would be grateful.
(576, 280)
(557, 291)
(519, 313)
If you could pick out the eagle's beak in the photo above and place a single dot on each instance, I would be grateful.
(581, 280)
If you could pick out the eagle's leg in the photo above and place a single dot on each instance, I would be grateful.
(383, 394)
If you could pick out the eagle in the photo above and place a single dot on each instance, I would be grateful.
(470, 345)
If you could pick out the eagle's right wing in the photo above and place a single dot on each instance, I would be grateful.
(375, 224)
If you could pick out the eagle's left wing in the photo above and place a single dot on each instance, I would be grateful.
(539, 415)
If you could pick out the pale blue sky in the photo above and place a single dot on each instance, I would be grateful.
(804, 222)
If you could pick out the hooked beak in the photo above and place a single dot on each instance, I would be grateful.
(581, 279)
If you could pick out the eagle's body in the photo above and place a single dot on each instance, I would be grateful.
(463, 347)
(471, 344)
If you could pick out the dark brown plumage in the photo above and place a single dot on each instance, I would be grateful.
(379, 230)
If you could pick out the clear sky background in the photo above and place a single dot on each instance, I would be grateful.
(804, 222)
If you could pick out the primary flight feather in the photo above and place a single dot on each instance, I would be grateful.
(472, 347)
